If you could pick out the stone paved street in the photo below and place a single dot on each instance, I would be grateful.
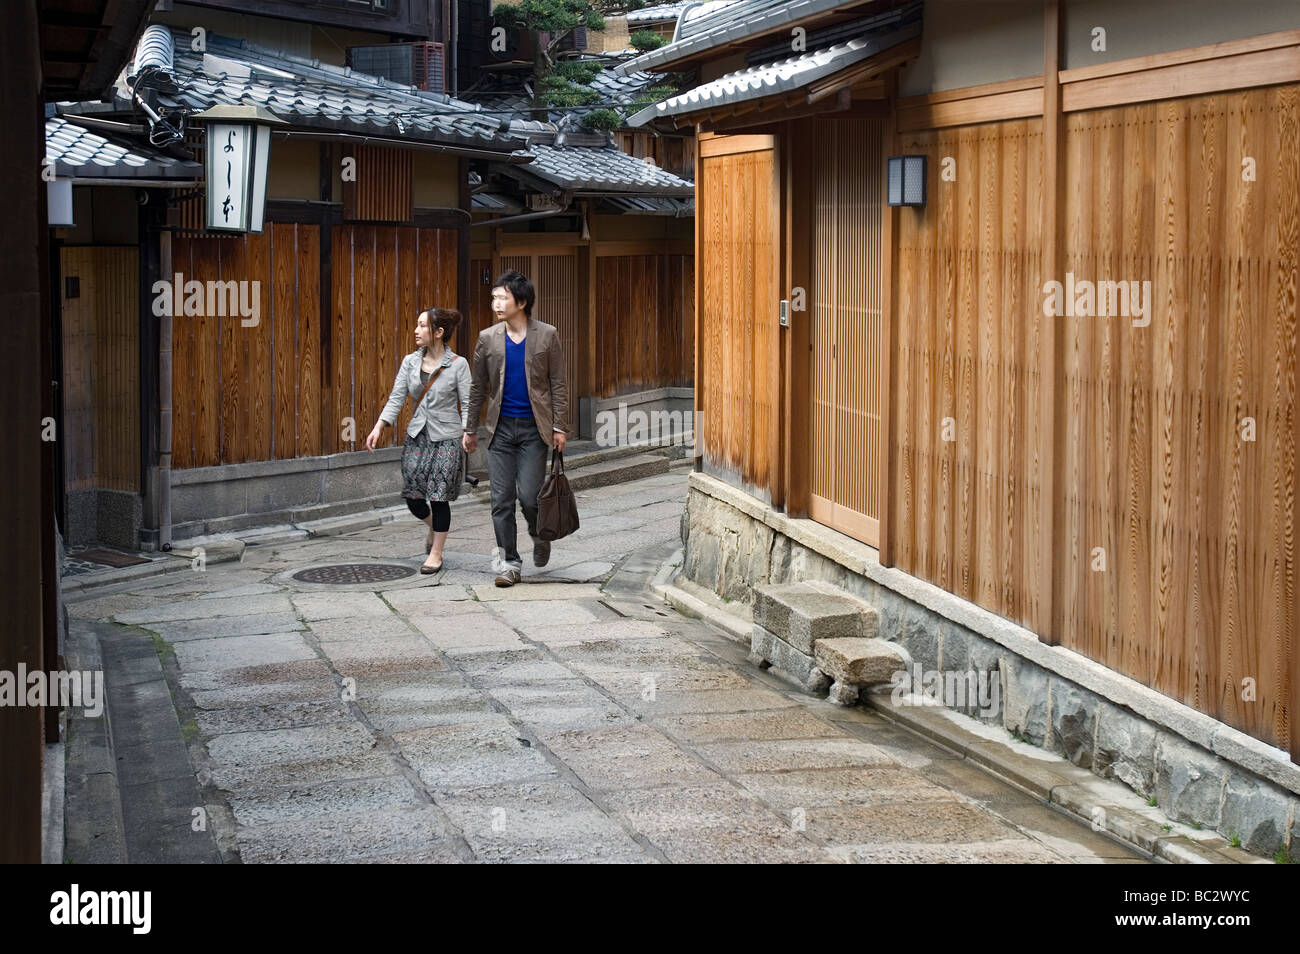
(570, 718)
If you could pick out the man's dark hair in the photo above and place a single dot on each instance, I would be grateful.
(519, 286)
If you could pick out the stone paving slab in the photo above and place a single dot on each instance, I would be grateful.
(852, 786)
(325, 797)
(232, 652)
(627, 756)
(536, 821)
(208, 608)
(290, 745)
(472, 754)
(258, 624)
(345, 838)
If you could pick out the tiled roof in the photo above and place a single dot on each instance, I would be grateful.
(614, 89)
(663, 11)
(779, 77)
(76, 152)
(312, 94)
(586, 170)
(726, 21)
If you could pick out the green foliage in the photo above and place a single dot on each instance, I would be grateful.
(602, 120)
(560, 93)
(1281, 857)
(575, 71)
(644, 40)
(556, 17)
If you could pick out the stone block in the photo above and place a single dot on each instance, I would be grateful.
(858, 662)
(1256, 812)
(1025, 699)
(1125, 749)
(1074, 722)
(801, 667)
(1189, 781)
(919, 633)
(802, 615)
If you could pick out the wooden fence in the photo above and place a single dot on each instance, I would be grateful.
(286, 386)
(1172, 453)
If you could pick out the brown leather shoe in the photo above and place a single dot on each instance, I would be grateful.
(541, 552)
(508, 577)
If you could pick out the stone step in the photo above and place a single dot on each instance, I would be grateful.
(854, 663)
(616, 471)
(801, 614)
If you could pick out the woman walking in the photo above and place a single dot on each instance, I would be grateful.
(437, 379)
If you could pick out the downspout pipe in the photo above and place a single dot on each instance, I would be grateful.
(526, 217)
(165, 402)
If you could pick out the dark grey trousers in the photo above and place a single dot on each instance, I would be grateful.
(516, 459)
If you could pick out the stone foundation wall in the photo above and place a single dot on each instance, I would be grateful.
(1199, 770)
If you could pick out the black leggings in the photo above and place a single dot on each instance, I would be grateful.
(441, 512)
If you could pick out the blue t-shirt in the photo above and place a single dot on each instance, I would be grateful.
(514, 396)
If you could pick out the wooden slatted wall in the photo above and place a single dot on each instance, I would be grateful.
(847, 360)
(243, 393)
(283, 387)
(1175, 543)
(964, 510)
(645, 327)
(1197, 524)
(737, 385)
(383, 188)
(383, 277)
(101, 368)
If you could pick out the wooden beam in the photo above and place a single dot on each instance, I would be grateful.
(1261, 68)
(1050, 451)
(888, 338)
(1194, 54)
(730, 145)
(1019, 104)
(697, 427)
(589, 272)
(871, 67)
(796, 339)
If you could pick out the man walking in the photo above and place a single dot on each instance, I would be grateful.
(519, 371)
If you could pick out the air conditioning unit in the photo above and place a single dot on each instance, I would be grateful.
(420, 64)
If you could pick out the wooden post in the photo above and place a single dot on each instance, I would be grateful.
(21, 394)
(1050, 452)
(888, 330)
(796, 339)
(697, 382)
(589, 263)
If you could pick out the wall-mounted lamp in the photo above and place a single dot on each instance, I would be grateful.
(239, 144)
(906, 181)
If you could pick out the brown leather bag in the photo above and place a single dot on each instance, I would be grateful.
(557, 510)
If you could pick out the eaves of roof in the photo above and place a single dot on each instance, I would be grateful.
(783, 76)
(728, 23)
(76, 152)
(309, 94)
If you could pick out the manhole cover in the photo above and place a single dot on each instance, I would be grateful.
(343, 573)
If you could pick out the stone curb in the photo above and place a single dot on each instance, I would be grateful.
(687, 598)
(1065, 785)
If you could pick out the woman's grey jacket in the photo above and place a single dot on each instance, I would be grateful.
(438, 409)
